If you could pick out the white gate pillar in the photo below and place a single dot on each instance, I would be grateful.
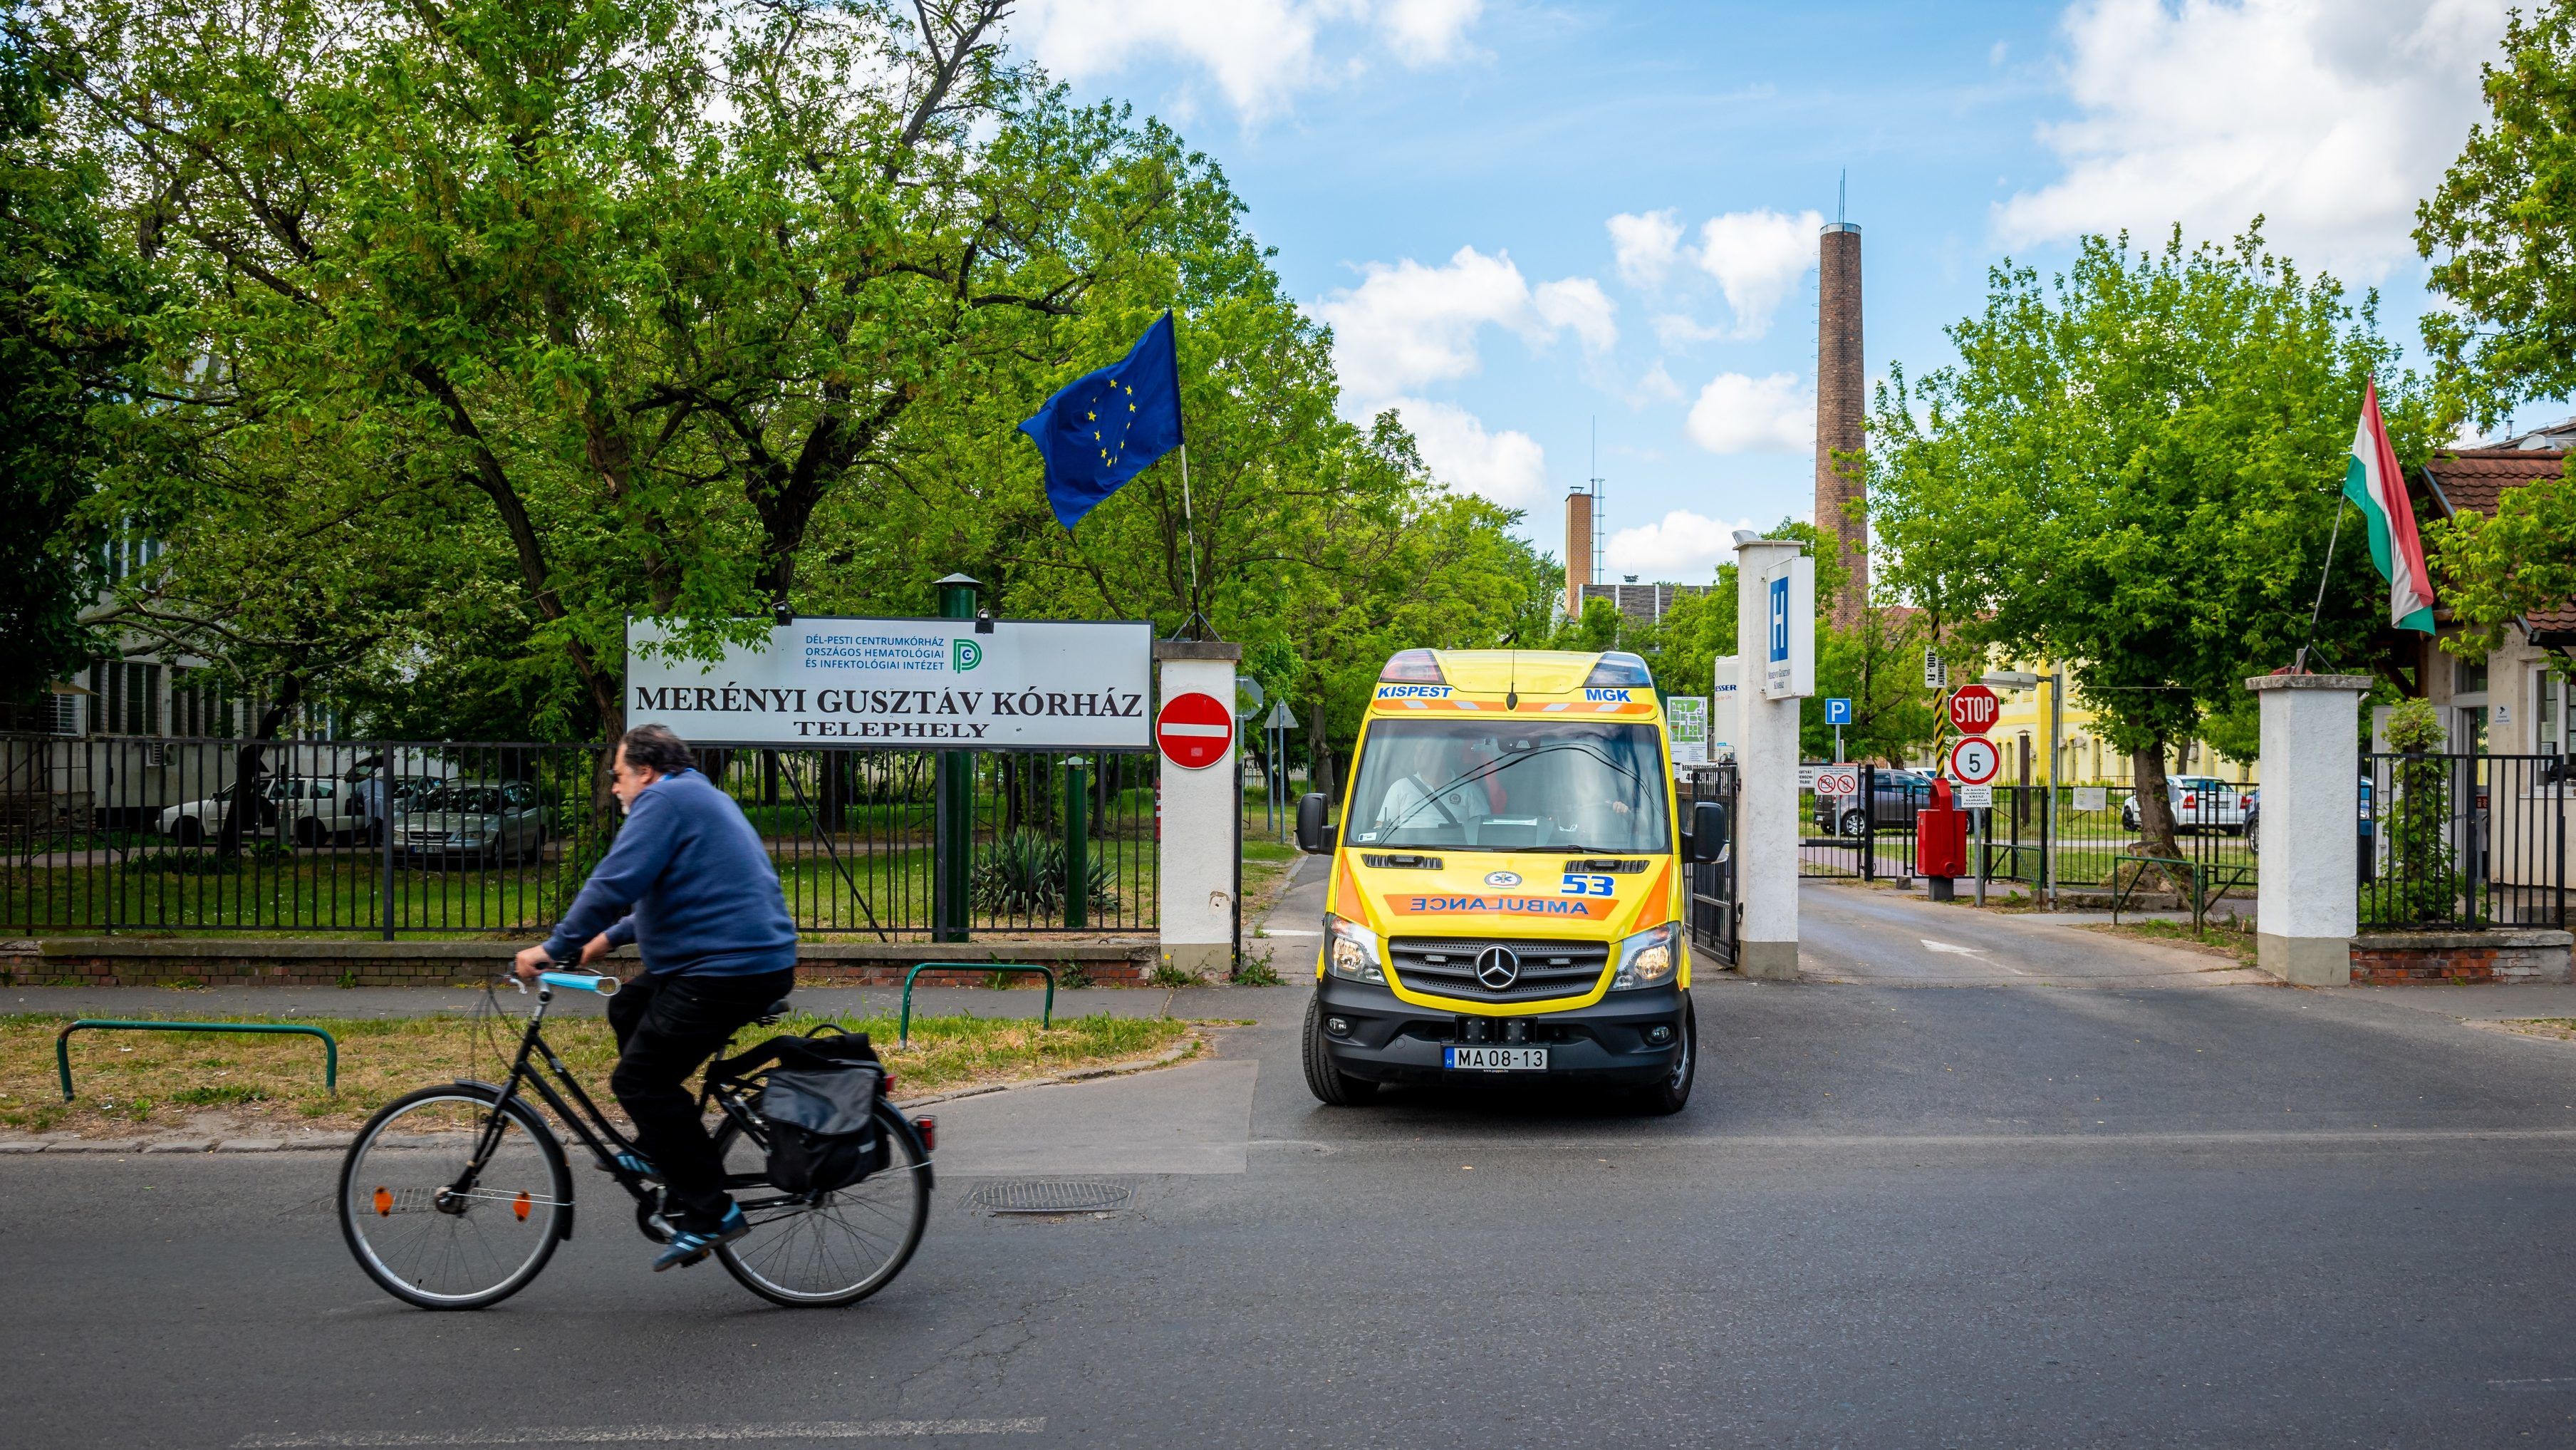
(2304, 895)
(1199, 814)
(1766, 801)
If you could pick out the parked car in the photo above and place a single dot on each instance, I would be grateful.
(472, 822)
(307, 809)
(2200, 803)
(1896, 797)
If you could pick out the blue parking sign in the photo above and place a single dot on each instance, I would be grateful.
(1838, 712)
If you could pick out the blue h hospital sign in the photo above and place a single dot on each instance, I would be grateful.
(1789, 660)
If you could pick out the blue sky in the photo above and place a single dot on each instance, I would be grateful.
(1523, 218)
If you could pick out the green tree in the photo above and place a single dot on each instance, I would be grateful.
(2129, 471)
(2501, 238)
(70, 349)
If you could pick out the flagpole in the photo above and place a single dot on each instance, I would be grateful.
(2300, 665)
(1190, 527)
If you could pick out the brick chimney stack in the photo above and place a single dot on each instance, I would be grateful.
(1841, 404)
(1578, 549)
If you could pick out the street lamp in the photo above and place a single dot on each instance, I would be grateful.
(2026, 680)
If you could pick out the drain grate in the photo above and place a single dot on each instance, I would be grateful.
(1050, 1195)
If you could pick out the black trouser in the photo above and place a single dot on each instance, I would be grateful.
(667, 1025)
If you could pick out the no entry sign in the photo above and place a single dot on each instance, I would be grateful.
(1975, 760)
(1195, 731)
(1974, 709)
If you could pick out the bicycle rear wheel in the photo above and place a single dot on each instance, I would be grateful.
(434, 1228)
(834, 1248)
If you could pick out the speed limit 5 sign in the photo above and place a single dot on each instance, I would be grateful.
(1975, 760)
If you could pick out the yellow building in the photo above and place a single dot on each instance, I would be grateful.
(2083, 757)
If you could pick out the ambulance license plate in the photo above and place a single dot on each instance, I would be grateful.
(1495, 1059)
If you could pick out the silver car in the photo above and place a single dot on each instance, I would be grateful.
(2200, 803)
(473, 823)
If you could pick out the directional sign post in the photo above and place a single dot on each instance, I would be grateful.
(1194, 731)
(1838, 714)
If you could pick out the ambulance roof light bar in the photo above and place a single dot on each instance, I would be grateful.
(1616, 668)
(1414, 667)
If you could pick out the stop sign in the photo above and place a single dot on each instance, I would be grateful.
(1974, 709)
(1194, 730)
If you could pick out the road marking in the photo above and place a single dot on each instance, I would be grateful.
(656, 1434)
(2256, 1138)
(1976, 953)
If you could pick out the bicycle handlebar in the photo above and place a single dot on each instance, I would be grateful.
(604, 985)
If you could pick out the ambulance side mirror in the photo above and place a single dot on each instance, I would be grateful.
(1314, 837)
(1709, 828)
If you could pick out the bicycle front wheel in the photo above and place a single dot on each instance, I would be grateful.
(435, 1222)
(831, 1248)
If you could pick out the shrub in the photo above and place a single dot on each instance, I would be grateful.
(2423, 883)
(1022, 874)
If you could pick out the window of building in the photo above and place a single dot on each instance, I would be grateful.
(2468, 677)
(128, 693)
(2550, 696)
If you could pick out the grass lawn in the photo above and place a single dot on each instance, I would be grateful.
(2215, 941)
(159, 1081)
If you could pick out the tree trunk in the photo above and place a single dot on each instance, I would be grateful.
(1319, 757)
(2155, 805)
(248, 767)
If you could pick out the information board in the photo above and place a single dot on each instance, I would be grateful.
(898, 684)
(1686, 716)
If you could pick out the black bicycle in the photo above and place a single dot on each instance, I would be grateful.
(454, 1197)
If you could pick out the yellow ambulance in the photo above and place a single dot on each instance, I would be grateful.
(1508, 882)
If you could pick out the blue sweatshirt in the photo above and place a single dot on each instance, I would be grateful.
(688, 881)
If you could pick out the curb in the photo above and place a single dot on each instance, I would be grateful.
(1187, 1047)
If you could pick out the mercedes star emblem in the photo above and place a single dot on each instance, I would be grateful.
(1498, 967)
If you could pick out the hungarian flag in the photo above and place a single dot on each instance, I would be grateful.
(2371, 480)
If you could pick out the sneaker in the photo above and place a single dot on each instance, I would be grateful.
(635, 1164)
(692, 1244)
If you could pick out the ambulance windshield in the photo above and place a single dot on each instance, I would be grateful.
(1480, 785)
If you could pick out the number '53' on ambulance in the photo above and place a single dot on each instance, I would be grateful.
(1508, 882)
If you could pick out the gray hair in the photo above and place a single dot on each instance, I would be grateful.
(654, 747)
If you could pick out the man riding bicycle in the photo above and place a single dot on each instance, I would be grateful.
(688, 882)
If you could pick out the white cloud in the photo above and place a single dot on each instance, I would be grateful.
(1407, 324)
(1259, 52)
(1425, 32)
(1657, 383)
(1682, 547)
(2328, 117)
(1740, 414)
(1508, 467)
(1675, 330)
(1579, 304)
(1645, 245)
(1756, 257)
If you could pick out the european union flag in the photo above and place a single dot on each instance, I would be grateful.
(1103, 428)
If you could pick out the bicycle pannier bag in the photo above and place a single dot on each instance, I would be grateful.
(819, 1104)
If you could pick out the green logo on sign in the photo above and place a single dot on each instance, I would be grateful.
(965, 654)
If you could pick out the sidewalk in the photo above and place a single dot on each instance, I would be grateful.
(1261, 1004)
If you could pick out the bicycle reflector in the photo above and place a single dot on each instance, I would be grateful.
(384, 1201)
(1414, 667)
(519, 1205)
(928, 1127)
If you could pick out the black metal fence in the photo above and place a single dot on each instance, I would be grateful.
(110, 833)
(2462, 841)
(1711, 911)
(1869, 833)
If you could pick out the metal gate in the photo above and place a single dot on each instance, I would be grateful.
(1711, 909)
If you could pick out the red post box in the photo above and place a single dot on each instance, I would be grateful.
(1941, 839)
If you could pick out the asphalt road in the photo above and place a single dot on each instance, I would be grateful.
(2155, 1208)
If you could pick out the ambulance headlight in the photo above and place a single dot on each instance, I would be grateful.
(1648, 959)
(1350, 951)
